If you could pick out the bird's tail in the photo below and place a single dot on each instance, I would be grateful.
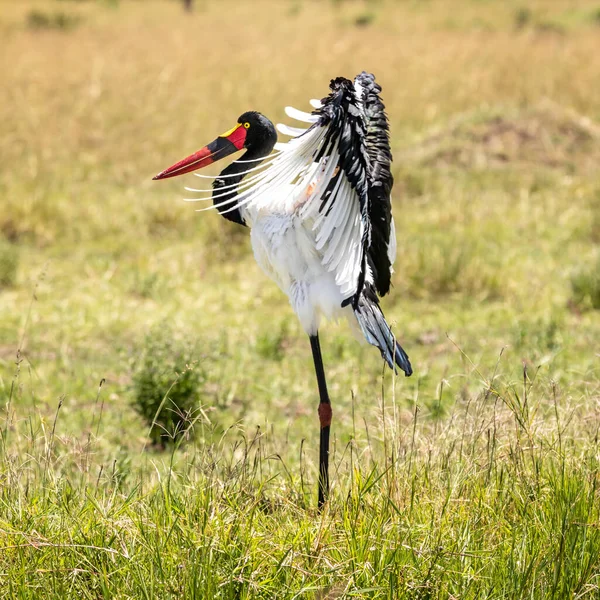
(378, 333)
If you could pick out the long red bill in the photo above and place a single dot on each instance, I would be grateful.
(226, 144)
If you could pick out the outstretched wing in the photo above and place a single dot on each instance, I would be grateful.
(339, 203)
(335, 177)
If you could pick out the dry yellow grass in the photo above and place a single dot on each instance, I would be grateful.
(129, 89)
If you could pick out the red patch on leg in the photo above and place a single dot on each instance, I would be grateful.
(325, 414)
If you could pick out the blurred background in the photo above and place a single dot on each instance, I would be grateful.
(494, 108)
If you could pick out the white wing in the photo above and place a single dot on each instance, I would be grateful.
(320, 174)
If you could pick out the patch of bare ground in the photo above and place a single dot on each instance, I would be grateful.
(547, 135)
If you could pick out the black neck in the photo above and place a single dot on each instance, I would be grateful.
(235, 173)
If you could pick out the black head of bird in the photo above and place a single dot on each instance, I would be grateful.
(252, 132)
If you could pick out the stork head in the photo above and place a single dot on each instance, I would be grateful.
(253, 132)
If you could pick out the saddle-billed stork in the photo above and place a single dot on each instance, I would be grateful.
(319, 212)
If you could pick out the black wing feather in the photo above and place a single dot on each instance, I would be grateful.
(359, 123)
(342, 114)
(380, 182)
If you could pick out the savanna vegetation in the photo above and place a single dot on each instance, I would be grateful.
(158, 428)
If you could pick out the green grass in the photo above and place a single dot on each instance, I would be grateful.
(475, 478)
(492, 501)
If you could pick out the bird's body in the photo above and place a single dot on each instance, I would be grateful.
(319, 212)
(284, 248)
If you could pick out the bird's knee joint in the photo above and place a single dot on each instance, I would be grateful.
(325, 414)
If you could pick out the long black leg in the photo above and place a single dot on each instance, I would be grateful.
(324, 420)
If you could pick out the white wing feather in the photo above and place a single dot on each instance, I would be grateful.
(293, 182)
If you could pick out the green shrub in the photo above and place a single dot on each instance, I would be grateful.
(37, 19)
(272, 343)
(444, 265)
(147, 284)
(539, 335)
(166, 382)
(585, 286)
(365, 19)
(522, 17)
(9, 262)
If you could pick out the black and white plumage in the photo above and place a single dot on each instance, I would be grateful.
(318, 208)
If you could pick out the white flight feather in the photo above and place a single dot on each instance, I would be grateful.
(244, 183)
(392, 244)
(342, 232)
(299, 115)
(338, 233)
(333, 235)
(278, 170)
(348, 235)
(325, 177)
(224, 190)
(261, 166)
(339, 211)
(291, 131)
(298, 155)
(280, 173)
(252, 160)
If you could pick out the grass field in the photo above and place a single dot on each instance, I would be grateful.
(478, 477)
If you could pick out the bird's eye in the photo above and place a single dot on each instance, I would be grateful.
(247, 125)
